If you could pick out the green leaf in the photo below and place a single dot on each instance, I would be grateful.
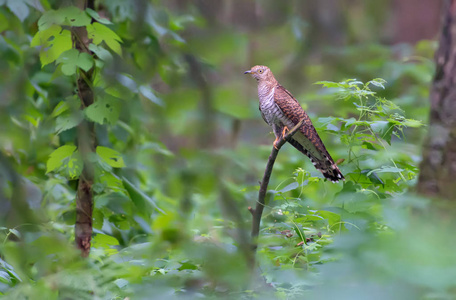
(74, 166)
(59, 109)
(5, 277)
(384, 129)
(105, 110)
(330, 84)
(372, 175)
(72, 59)
(19, 8)
(15, 232)
(99, 33)
(53, 41)
(139, 198)
(69, 16)
(378, 82)
(101, 52)
(111, 157)
(68, 120)
(386, 169)
(369, 146)
(111, 181)
(104, 241)
(147, 92)
(412, 123)
(97, 17)
(56, 158)
(290, 187)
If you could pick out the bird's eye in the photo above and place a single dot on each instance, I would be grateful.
(260, 71)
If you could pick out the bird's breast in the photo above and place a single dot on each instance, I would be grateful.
(268, 107)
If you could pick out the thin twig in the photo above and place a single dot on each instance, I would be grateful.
(258, 211)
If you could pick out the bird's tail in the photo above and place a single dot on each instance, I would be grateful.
(326, 166)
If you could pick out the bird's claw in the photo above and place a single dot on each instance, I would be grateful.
(275, 144)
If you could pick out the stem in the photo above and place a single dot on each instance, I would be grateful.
(86, 142)
(258, 211)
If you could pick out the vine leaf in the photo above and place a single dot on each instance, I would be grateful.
(99, 33)
(73, 59)
(105, 110)
(111, 157)
(53, 41)
(69, 16)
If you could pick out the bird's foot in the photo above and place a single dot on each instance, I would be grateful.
(285, 130)
(275, 143)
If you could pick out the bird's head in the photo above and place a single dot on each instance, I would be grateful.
(260, 73)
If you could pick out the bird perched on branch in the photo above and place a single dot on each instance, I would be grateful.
(282, 111)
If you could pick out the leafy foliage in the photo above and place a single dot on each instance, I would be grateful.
(181, 147)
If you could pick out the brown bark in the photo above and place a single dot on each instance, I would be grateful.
(86, 144)
(438, 168)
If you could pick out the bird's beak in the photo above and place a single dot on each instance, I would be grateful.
(248, 72)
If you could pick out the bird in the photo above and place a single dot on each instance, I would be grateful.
(282, 111)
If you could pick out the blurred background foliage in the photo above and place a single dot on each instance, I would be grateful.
(172, 220)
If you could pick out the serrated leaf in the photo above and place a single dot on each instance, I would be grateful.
(105, 110)
(412, 123)
(378, 82)
(110, 156)
(384, 129)
(99, 33)
(57, 156)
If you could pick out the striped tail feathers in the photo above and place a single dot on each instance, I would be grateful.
(326, 166)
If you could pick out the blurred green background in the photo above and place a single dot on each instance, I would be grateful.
(174, 223)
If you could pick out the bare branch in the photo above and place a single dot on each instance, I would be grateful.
(258, 211)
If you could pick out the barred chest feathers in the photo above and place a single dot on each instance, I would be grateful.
(269, 109)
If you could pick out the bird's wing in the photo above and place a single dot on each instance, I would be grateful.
(306, 139)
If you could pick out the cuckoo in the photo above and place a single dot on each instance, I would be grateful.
(281, 110)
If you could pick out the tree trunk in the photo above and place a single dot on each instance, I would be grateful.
(438, 168)
(86, 144)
